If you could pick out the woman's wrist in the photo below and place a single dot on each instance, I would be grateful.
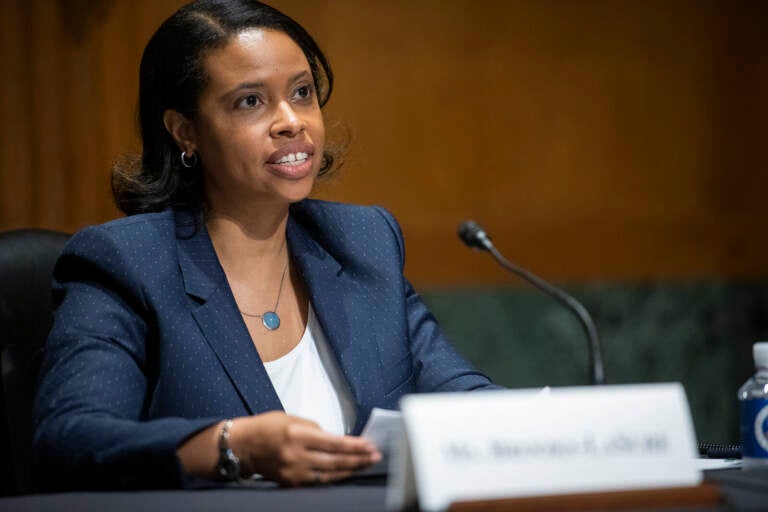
(199, 454)
(228, 465)
(238, 443)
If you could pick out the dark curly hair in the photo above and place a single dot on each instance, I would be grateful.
(171, 76)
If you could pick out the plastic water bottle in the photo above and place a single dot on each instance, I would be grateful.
(753, 412)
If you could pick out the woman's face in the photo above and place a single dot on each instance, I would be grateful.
(259, 131)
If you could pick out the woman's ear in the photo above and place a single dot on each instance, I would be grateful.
(181, 129)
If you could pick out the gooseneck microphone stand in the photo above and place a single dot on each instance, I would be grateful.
(475, 236)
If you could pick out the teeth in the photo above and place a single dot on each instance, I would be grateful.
(293, 158)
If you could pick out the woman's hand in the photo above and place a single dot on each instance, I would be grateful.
(287, 449)
(295, 451)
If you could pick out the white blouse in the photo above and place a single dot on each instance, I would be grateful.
(310, 384)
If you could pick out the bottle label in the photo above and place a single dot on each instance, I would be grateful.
(754, 427)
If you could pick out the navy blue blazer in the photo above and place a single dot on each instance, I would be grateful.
(148, 346)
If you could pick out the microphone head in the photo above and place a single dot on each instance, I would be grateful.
(473, 235)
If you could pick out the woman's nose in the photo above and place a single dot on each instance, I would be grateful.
(288, 122)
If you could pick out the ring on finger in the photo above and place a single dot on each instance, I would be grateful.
(317, 476)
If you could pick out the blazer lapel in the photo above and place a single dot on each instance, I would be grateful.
(340, 303)
(218, 318)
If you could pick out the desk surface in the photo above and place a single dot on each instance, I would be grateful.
(742, 492)
(342, 498)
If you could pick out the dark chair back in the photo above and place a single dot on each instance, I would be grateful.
(27, 258)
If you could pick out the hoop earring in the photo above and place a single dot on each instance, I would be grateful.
(188, 161)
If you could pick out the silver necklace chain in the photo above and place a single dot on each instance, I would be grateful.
(277, 302)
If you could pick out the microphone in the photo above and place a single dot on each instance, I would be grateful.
(474, 236)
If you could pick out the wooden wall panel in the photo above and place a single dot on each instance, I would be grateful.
(598, 139)
(15, 152)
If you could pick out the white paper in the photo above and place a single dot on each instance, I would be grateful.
(708, 464)
(401, 484)
(384, 429)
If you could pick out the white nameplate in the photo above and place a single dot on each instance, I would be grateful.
(500, 444)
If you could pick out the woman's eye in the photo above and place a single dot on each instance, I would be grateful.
(304, 92)
(250, 101)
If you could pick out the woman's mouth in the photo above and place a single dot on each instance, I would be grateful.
(293, 161)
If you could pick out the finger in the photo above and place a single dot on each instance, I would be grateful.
(330, 462)
(323, 441)
(316, 438)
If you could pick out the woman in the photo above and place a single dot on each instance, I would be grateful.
(229, 325)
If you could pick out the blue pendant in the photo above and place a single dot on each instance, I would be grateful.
(270, 320)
